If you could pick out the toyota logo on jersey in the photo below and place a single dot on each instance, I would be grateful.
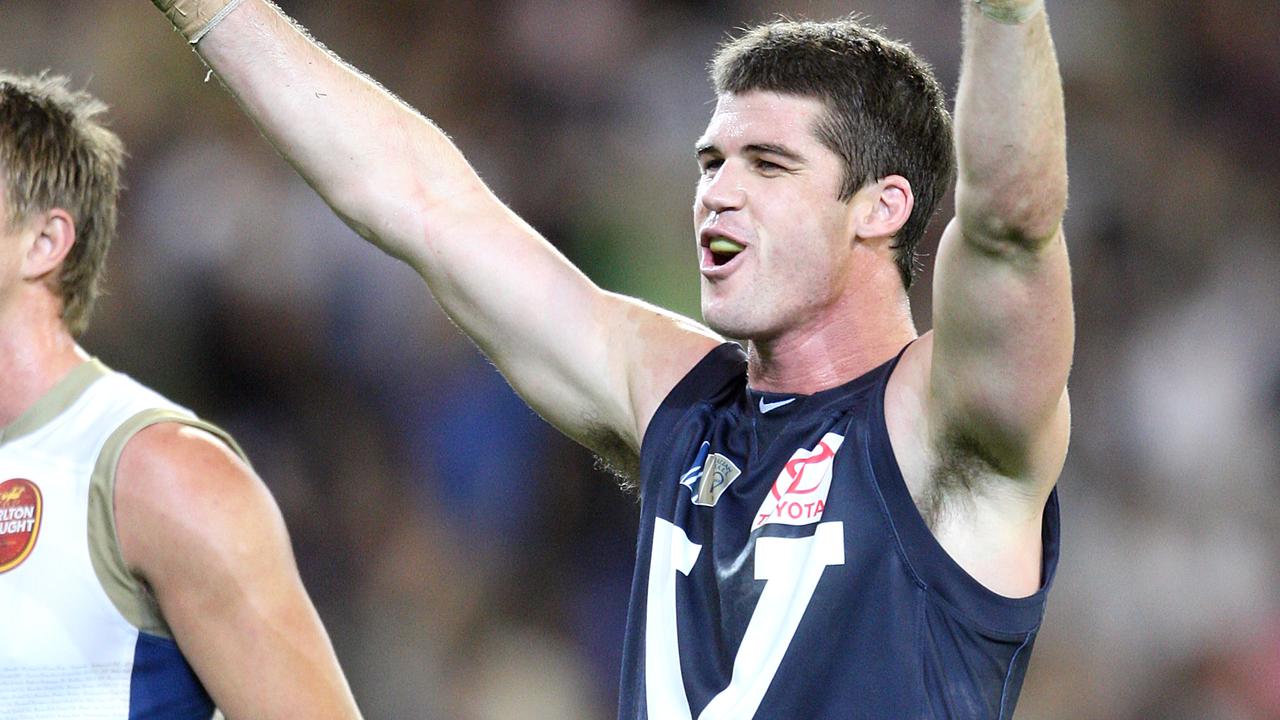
(799, 495)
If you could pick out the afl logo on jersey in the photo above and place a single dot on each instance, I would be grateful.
(710, 475)
(20, 509)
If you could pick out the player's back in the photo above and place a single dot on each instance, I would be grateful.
(86, 639)
(783, 570)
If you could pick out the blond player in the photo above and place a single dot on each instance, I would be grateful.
(144, 567)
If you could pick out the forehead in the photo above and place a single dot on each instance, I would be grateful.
(762, 117)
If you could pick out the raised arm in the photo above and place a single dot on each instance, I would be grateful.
(593, 363)
(1002, 290)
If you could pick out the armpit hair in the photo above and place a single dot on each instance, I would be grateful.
(627, 477)
(613, 455)
(960, 469)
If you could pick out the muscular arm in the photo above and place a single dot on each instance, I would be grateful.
(1002, 316)
(200, 528)
(978, 408)
(593, 363)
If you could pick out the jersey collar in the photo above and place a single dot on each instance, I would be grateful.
(53, 403)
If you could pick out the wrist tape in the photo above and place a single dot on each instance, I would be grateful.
(195, 18)
(1009, 12)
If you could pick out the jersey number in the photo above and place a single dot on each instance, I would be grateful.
(791, 568)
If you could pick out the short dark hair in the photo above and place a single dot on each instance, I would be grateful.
(886, 113)
(54, 153)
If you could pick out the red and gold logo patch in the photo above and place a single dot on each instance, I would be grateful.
(20, 508)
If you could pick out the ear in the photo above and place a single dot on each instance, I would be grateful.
(889, 206)
(55, 233)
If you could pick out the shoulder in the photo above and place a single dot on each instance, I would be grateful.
(720, 368)
(179, 460)
(670, 350)
(183, 492)
(714, 376)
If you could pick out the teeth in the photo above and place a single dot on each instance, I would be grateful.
(725, 246)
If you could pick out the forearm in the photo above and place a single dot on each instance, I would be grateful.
(1010, 130)
(364, 151)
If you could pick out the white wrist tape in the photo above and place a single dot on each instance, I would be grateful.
(195, 18)
(223, 13)
(1009, 12)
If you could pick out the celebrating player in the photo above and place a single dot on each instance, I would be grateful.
(145, 566)
(845, 520)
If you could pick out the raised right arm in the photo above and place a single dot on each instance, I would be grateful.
(593, 363)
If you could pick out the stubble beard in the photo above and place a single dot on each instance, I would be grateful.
(739, 317)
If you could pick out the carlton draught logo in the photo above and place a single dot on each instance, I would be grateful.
(20, 507)
(799, 495)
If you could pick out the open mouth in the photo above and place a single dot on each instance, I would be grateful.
(723, 250)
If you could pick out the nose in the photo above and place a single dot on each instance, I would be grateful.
(723, 190)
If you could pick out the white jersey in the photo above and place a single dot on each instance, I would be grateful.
(84, 638)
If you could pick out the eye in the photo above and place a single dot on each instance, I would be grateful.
(767, 167)
(709, 167)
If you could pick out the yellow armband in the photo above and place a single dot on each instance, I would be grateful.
(195, 18)
(1010, 12)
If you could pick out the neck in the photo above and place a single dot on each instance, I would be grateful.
(848, 340)
(36, 351)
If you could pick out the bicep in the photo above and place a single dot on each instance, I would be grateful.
(1003, 337)
(591, 362)
(598, 369)
(203, 532)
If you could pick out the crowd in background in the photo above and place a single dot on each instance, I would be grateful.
(472, 564)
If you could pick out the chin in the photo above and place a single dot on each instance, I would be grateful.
(738, 326)
(742, 315)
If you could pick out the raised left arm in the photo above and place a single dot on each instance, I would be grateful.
(1003, 324)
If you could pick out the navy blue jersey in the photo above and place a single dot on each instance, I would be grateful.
(784, 572)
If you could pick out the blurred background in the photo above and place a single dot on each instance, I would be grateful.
(472, 564)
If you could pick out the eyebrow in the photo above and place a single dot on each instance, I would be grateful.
(708, 148)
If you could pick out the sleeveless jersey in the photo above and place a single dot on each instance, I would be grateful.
(783, 570)
(83, 638)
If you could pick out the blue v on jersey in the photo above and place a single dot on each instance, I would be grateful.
(784, 573)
